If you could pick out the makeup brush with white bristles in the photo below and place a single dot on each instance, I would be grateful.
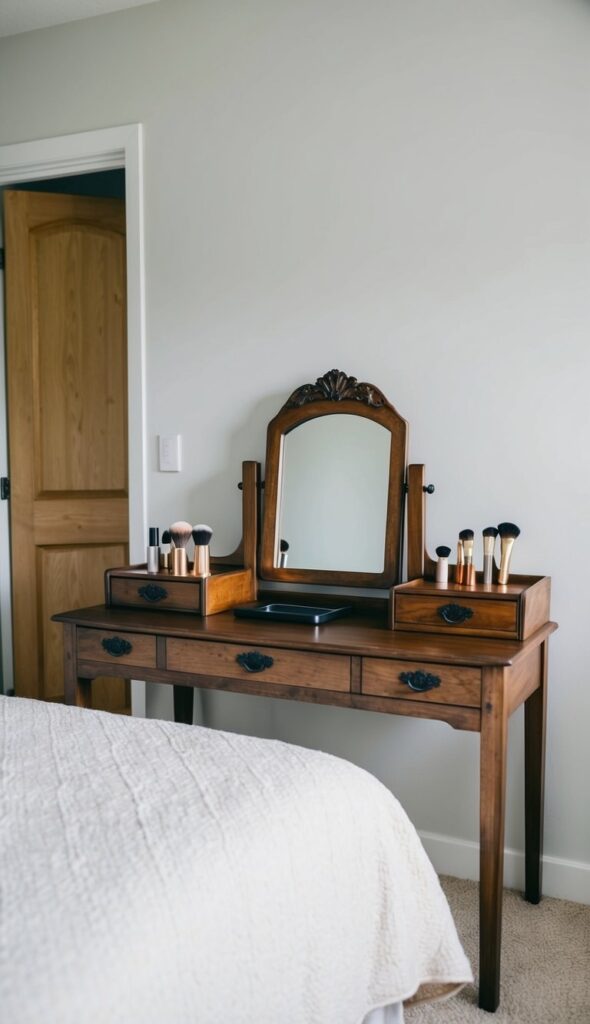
(202, 537)
(508, 534)
(442, 565)
(489, 542)
(180, 534)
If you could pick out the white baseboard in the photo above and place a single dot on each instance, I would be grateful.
(565, 879)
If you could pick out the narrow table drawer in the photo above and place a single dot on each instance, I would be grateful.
(414, 680)
(457, 614)
(128, 648)
(270, 664)
(142, 592)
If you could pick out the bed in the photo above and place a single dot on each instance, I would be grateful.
(155, 873)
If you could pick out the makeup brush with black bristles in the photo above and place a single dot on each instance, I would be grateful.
(283, 549)
(442, 566)
(466, 538)
(165, 554)
(202, 537)
(508, 534)
(489, 542)
(180, 534)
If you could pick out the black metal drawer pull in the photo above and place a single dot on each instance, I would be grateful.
(152, 592)
(454, 614)
(254, 661)
(419, 681)
(116, 646)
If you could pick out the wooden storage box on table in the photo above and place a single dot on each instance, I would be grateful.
(511, 611)
(133, 587)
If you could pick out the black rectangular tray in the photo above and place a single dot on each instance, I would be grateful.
(291, 612)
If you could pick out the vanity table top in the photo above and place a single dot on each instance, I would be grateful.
(362, 633)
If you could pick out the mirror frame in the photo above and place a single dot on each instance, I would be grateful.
(335, 393)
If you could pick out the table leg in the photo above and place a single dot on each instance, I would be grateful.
(77, 690)
(535, 717)
(183, 704)
(493, 742)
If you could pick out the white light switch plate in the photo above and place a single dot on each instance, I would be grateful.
(170, 449)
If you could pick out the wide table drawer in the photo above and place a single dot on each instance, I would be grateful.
(414, 680)
(457, 614)
(132, 648)
(270, 664)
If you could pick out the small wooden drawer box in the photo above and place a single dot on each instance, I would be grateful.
(133, 587)
(512, 611)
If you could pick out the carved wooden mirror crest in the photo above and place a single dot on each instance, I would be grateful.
(334, 490)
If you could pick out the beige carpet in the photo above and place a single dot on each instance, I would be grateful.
(545, 962)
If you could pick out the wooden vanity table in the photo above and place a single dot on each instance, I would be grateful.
(473, 680)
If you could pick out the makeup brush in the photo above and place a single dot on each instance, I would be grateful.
(466, 538)
(489, 542)
(508, 534)
(180, 534)
(202, 536)
(442, 566)
(153, 549)
(460, 566)
(283, 548)
(165, 552)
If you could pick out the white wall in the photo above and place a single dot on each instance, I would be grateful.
(398, 188)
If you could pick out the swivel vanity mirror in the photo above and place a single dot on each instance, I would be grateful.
(334, 488)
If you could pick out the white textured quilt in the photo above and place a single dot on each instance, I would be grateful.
(154, 873)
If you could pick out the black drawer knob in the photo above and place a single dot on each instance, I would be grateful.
(116, 646)
(152, 592)
(454, 614)
(254, 661)
(419, 681)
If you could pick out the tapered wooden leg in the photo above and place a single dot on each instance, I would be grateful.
(183, 704)
(77, 690)
(494, 728)
(535, 718)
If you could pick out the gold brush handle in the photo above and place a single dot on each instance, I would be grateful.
(506, 553)
(201, 563)
(460, 566)
(488, 568)
(179, 563)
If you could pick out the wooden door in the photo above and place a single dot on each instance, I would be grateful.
(67, 422)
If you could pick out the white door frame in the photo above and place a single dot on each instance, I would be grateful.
(82, 153)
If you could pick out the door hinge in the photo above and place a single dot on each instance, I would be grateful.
(4, 488)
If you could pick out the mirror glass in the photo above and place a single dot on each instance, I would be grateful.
(332, 502)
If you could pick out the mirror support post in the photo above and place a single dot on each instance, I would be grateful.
(416, 521)
(251, 513)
